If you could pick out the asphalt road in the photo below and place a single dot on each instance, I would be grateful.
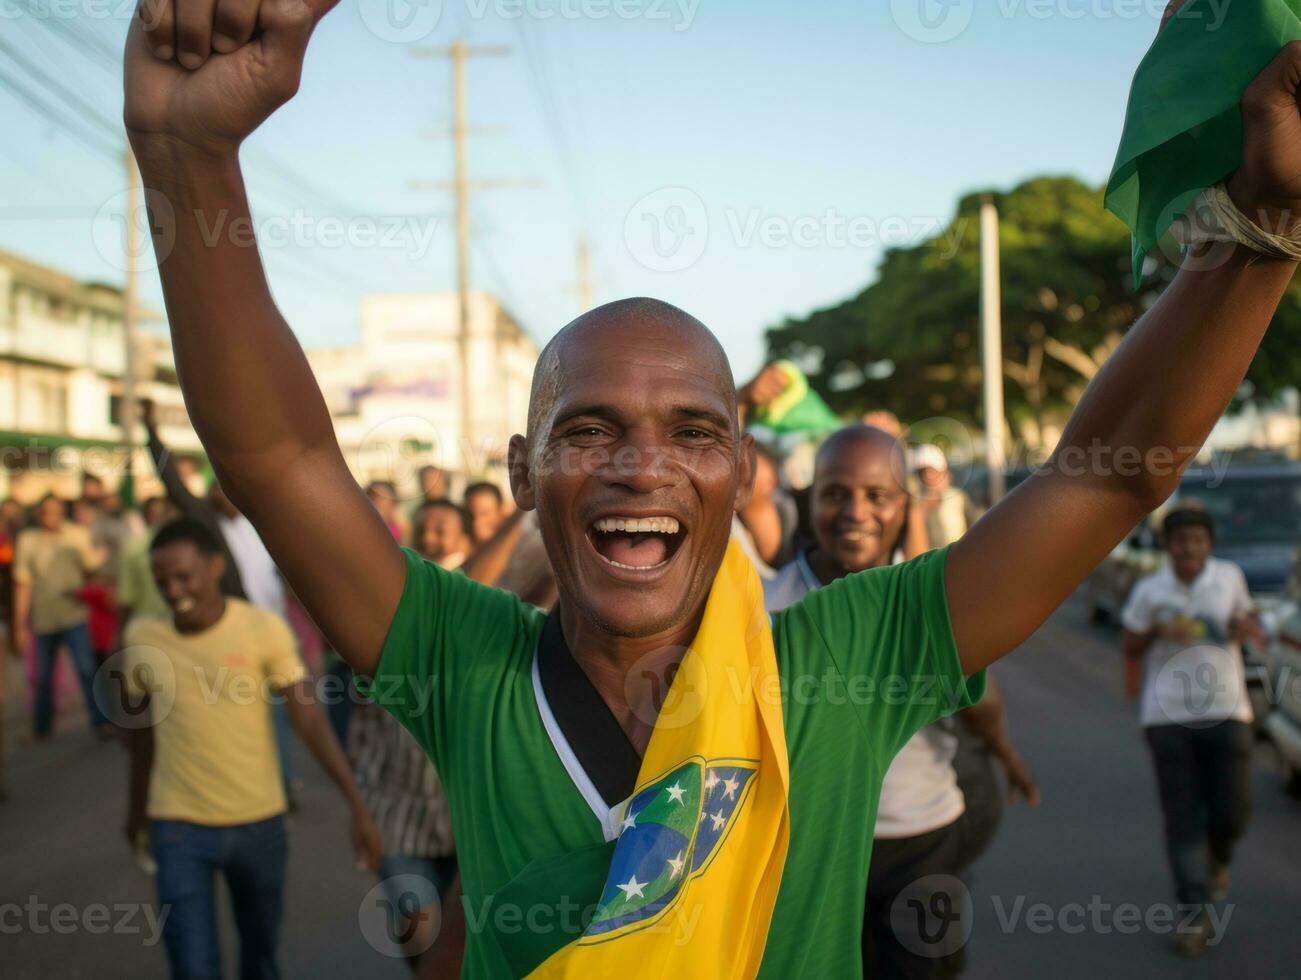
(1062, 893)
(1095, 843)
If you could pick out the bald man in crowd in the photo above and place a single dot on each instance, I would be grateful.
(635, 464)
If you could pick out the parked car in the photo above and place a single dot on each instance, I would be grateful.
(1257, 511)
(1283, 721)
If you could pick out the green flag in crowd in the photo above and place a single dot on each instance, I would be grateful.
(1183, 128)
(798, 408)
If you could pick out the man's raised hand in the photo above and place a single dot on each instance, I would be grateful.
(201, 75)
(1268, 184)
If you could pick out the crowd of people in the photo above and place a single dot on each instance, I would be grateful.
(532, 744)
(185, 576)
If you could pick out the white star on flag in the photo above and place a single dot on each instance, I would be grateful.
(676, 864)
(718, 819)
(632, 888)
(629, 821)
(675, 792)
(729, 788)
(711, 781)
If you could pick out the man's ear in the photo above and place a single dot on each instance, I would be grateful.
(521, 476)
(746, 466)
(217, 563)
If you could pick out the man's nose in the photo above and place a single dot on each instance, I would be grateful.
(859, 509)
(642, 462)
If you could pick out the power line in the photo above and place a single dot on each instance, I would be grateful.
(55, 114)
(553, 120)
(74, 33)
(87, 111)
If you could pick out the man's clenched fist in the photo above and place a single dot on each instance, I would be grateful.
(203, 74)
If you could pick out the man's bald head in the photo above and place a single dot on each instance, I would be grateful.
(860, 436)
(633, 415)
(650, 319)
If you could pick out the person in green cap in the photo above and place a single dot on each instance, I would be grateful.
(634, 461)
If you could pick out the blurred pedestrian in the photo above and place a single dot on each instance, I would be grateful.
(442, 533)
(384, 495)
(924, 828)
(765, 526)
(403, 792)
(204, 777)
(486, 508)
(948, 510)
(137, 595)
(249, 570)
(206, 511)
(1185, 623)
(51, 562)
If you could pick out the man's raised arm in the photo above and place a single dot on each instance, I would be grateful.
(1148, 411)
(197, 83)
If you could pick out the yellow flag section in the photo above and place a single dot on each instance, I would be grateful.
(697, 866)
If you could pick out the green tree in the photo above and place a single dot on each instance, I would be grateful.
(910, 341)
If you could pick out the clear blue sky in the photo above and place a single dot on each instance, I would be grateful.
(758, 111)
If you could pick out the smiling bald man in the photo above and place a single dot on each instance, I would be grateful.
(544, 727)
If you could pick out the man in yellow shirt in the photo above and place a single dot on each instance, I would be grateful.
(196, 691)
(51, 561)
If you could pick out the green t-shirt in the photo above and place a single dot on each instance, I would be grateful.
(864, 663)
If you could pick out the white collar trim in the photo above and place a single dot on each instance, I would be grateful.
(609, 818)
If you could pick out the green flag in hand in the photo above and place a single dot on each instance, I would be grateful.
(1183, 128)
(798, 408)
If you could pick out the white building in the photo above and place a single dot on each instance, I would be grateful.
(396, 396)
(62, 359)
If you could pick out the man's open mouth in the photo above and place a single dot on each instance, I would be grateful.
(636, 543)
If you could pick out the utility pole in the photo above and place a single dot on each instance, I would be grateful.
(461, 186)
(991, 345)
(130, 312)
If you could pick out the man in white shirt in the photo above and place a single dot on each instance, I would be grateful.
(1185, 622)
(858, 511)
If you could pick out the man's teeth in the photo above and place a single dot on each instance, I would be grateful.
(635, 568)
(638, 525)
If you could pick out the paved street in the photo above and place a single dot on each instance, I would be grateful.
(1098, 833)
(1095, 843)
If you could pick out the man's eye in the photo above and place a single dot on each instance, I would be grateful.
(585, 432)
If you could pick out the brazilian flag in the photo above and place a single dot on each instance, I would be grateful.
(1183, 128)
